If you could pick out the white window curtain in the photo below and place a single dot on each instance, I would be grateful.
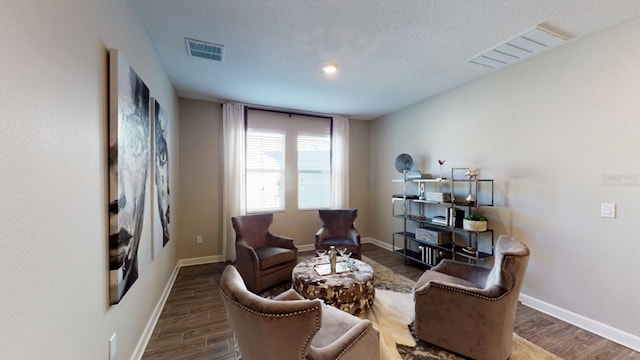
(233, 200)
(339, 162)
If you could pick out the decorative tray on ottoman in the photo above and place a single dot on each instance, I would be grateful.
(341, 267)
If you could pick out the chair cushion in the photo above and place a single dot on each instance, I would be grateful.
(442, 278)
(337, 242)
(335, 323)
(274, 256)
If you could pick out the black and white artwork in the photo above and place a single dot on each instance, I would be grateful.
(130, 247)
(161, 218)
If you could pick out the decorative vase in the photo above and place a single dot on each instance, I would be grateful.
(332, 258)
(473, 225)
(470, 198)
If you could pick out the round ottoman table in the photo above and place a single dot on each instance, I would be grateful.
(351, 291)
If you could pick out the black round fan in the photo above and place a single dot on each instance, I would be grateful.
(404, 163)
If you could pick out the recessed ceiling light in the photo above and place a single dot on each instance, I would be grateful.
(330, 68)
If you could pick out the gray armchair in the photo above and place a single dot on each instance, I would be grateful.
(290, 327)
(469, 309)
(263, 259)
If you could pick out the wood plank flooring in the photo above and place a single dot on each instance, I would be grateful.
(193, 324)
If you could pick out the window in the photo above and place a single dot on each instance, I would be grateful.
(314, 171)
(265, 170)
(288, 161)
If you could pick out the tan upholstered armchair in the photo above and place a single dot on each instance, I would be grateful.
(289, 327)
(263, 259)
(338, 230)
(469, 309)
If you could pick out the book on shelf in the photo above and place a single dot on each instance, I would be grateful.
(401, 196)
(455, 217)
(440, 220)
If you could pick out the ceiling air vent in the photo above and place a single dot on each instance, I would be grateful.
(204, 50)
(530, 43)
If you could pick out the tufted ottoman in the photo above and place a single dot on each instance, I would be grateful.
(350, 291)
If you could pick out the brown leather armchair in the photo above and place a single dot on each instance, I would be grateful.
(290, 327)
(338, 230)
(469, 309)
(263, 259)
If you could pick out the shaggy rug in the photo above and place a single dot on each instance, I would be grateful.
(392, 314)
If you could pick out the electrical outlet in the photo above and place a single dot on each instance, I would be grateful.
(112, 346)
(199, 239)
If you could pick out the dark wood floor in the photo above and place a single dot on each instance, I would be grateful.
(193, 323)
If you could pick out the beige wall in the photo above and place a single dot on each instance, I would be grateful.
(201, 178)
(53, 115)
(551, 131)
(359, 193)
(201, 183)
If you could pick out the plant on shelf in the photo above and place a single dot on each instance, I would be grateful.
(475, 222)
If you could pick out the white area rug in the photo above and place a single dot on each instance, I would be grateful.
(391, 314)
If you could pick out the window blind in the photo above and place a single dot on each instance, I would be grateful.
(265, 170)
(314, 171)
(288, 161)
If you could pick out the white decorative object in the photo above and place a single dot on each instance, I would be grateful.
(470, 198)
(437, 196)
(473, 225)
(441, 162)
(472, 173)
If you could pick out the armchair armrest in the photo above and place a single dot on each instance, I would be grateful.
(450, 305)
(491, 293)
(320, 233)
(247, 262)
(355, 235)
(474, 273)
(264, 327)
(280, 241)
(288, 295)
(243, 249)
(362, 331)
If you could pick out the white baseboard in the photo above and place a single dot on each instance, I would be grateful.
(377, 242)
(155, 315)
(306, 247)
(618, 336)
(200, 260)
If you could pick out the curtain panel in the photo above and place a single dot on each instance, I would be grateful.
(234, 197)
(339, 162)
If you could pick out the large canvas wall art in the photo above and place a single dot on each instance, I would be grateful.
(130, 248)
(161, 218)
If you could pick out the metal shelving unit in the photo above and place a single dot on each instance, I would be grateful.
(466, 195)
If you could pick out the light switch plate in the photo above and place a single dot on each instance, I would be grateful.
(608, 210)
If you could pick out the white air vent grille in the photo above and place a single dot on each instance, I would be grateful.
(204, 50)
(530, 43)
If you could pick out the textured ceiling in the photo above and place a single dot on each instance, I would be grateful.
(391, 53)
